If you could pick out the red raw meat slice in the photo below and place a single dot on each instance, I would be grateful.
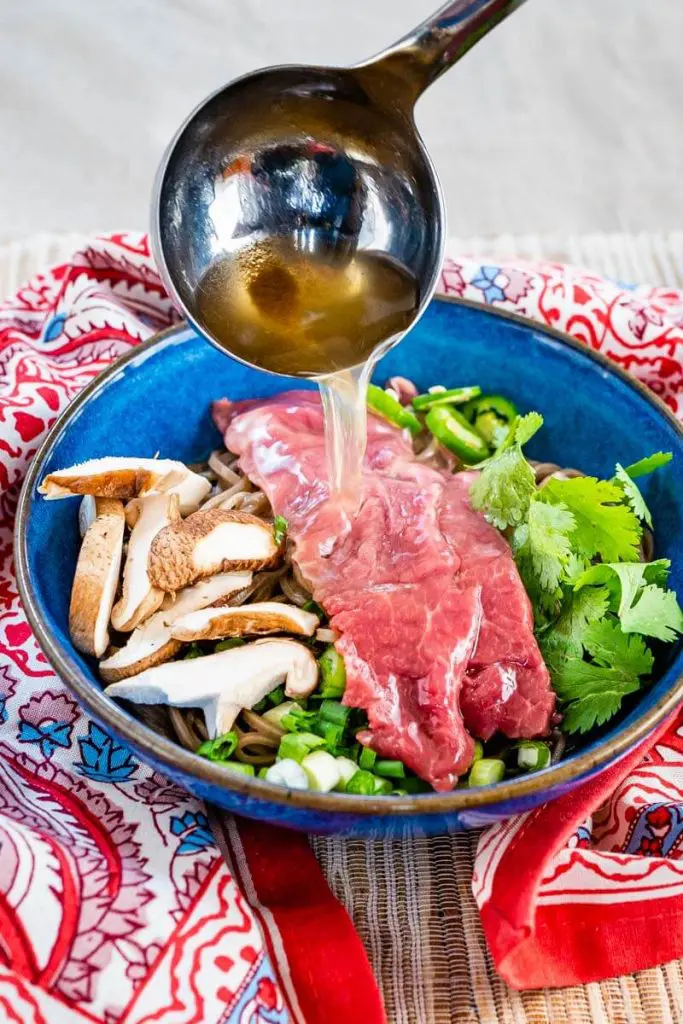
(434, 620)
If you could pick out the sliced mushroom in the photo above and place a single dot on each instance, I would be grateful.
(139, 599)
(151, 643)
(263, 617)
(97, 576)
(224, 683)
(125, 478)
(208, 542)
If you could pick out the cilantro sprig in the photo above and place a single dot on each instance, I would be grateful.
(577, 546)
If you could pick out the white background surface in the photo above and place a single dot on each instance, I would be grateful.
(568, 118)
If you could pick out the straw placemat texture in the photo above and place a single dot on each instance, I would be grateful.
(411, 901)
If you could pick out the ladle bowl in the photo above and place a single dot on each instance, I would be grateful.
(326, 162)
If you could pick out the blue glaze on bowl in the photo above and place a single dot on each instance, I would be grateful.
(159, 401)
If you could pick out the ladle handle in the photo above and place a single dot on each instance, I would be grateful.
(417, 59)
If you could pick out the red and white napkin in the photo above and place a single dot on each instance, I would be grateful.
(115, 905)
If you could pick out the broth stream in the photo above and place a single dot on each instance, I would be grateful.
(277, 307)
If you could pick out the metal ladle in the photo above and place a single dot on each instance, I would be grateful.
(327, 159)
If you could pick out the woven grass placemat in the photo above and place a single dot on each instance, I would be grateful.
(411, 900)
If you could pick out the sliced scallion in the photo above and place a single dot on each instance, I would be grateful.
(533, 755)
(347, 769)
(362, 784)
(390, 769)
(220, 749)
(322, 771)
(333, 711)
(296, 745)
(486, 771)
(367, 759)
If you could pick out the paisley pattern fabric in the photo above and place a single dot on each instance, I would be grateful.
(115, 906)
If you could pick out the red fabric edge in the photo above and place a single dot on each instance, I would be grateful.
(573, 943)
(321, 963)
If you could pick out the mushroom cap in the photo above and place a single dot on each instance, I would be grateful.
(207, 542)
(151, 643)
(225, 682)
(125, 478)
(139, 599)
(260, 617)
(96, 578)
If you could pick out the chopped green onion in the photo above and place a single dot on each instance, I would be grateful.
(347, 769)
(296, 745)
(315, 608)
(486, 771)
(367, 759)
(287, 772)
(280, 525)
(478, 750)
(240, 768)
(322, 771)
(194, 651)
(298, 720)
(276, 714)
(262, 772)
(229, 643)
(276, 696)
(533, 755)
(390, 769)
(260, 705)
(362, 784)
(220, 749)
(332, 673)
(391, 409)
(352, 752)
(333, 733)
(452, 430)
(452, 396)
(382, 786)
(333, 711)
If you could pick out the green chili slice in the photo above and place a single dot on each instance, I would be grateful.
(388, 407)
(453, 431)
(452, 396)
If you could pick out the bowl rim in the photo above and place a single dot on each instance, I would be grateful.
(177, 759)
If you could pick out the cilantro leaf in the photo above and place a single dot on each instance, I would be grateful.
(659, 616)
(564, 638)
(604, 525)
(655, 613)
(609, 645)
(649, 464)
(504, 487)
(592, 710)
(526, 426)
(541, 545)
(593, 691)
(633, 495)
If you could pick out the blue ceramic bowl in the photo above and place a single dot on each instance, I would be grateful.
(157, 399)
